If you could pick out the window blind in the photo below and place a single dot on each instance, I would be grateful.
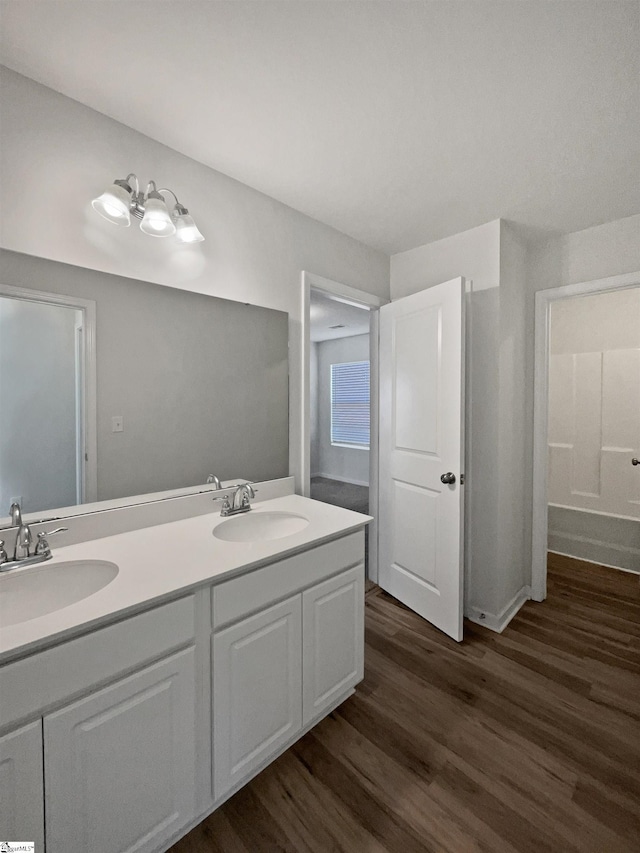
(350, 403)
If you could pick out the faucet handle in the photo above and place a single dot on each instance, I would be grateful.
(43, 545)
(226, 506)
(3, 554)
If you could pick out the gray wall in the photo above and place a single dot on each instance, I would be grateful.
(37, 405)
(202, 383)
(342, 463)
(57, 154)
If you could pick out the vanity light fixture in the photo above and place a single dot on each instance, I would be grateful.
(121, 201)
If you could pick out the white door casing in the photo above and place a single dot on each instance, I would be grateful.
(422, 438)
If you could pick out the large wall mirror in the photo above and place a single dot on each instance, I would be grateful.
(113, 388)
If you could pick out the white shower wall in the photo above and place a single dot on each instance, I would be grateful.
(594, 421)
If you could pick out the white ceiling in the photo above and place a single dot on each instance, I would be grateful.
(395, 122)
(325, 312)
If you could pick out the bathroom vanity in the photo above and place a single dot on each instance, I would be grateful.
(128, 716)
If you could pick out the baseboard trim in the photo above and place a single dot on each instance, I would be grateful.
(341, 479)
(498, 622)
(595, 562)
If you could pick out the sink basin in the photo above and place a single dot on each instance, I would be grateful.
(32, 592)
(260, 526)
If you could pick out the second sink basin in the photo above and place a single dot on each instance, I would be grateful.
(260, 526)
(37, 590)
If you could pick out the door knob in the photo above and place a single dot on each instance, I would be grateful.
(635, 461)
(448, 479)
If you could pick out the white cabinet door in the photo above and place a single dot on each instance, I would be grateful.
(333, 656)
(119, 765)
(257, 688)
(21, 796)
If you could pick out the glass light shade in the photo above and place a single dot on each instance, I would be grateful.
(113, 204)
(187, 230)
(156, 220)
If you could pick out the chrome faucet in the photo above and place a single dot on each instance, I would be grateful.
(212, 479)
(21, 555)
(241, 501)
(23, 542)
(16, 514)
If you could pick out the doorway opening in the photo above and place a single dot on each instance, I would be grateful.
(587, 428)
(340, 417)
(47, 370)
(340, 403)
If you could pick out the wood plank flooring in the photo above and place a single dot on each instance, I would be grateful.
(524, 741)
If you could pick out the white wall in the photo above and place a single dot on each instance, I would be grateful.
(57, 155)
(492, 257)
(37, 410)
(341, 463)
(506, 274)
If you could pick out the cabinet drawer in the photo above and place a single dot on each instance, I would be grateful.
(248, 593)
(41, 681)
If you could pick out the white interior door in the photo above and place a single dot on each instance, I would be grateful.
(422, 442)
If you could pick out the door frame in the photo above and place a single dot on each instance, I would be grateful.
(351, 296)
(89, 373)
(543, 302)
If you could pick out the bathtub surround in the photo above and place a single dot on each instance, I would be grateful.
(594, 427)
(602, 539)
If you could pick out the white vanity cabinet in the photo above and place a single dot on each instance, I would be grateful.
(333, 641)
(111, 761)
(125, 736)
(21, 791)
(119, 765)
(257, 681)
(282, 668)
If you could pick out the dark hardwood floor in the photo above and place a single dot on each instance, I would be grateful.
(524, 741)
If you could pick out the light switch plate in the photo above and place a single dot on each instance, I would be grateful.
(117, 423)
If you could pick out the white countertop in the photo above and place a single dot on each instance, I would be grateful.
(158, 563)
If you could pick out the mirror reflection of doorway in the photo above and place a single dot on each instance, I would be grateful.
(42, 432)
